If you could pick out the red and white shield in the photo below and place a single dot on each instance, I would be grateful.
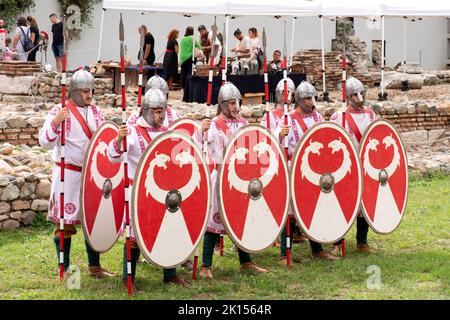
(385, 176)
(171, 199)
(102, 196)
(326, 182)
(253, 188)
(189, 126)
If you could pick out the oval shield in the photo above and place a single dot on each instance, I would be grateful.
(253, 188)
(171, 199)
(385, 176)
(102, 196)
(326, 182)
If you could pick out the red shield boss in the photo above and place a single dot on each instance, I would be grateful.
(171, 199)
(189, 126)
(326, 182)
(102, 192)
(253, 188)
(385, 176)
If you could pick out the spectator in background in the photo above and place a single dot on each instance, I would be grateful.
(3, 34)
(170, 63)
(206, 43)
(22, 32)
(186, 53)
(34, 36)
(149, 46)
(8, 54)
(275, 64)
(244, 63)
(58, 40)
(256, 48)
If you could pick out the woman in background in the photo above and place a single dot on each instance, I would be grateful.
(170, 63)
(186, 49)
(34, 37)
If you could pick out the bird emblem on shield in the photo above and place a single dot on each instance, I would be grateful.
(171, 199)
(385, 176)
(253, 188)
(102, 196)
(325, 182)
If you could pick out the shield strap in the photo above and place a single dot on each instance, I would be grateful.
(278, 113)
(352, 124)
(72, 108)
(220, 124)
(143, 132)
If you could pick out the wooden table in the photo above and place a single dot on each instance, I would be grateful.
(131, 74)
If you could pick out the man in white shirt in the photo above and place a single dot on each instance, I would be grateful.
(244, 63)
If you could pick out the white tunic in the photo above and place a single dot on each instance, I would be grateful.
(295, 131)
(171, 116)
(362, 119)
(136, 145)
(76, 145)
(275, 116)
(217, 141)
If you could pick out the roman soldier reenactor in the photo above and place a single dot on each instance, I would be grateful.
(218, 132)
(355, 119)
(82, 119)
(139, 136)
(300, 119)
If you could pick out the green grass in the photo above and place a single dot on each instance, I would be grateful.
(414, 263)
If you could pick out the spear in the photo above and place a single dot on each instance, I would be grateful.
(266, 77)
(286, 144)
(125, 166)
(344, 105)
(211, 64)
(62, 157)
(344, 77)
(141, 73)
(224, 55)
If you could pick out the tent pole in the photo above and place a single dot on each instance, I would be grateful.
(99, 59)
(324, 84)
(193, 51)
(227, 31)
(404, 44)
(292, 41)
(382, 96)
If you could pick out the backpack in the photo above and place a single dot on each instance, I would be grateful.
(26, 43)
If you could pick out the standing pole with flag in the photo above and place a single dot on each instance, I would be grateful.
(266, 78)
(286, 144)
(62, 157)
(125, 150)
(141, 73)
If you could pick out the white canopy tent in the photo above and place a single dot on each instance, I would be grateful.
(294, 8)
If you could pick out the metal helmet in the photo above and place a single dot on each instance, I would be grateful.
(153, 99)
(354, 86)
(303, 91)
(279, 91)
(158, 83)
(81, 80)
(226, 93)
